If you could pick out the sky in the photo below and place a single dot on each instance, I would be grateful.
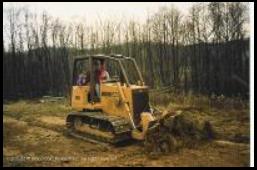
(92, 10)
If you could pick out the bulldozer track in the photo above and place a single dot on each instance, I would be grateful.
(96, 127)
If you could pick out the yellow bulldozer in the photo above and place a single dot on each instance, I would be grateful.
(118, 109)
(120, 112)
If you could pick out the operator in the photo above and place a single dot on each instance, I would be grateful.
(101, 76)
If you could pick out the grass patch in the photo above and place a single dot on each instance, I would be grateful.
(202, 102)
(26, 110)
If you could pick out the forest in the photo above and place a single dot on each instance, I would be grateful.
(203, 52)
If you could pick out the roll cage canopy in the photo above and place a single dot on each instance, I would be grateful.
(115, 57)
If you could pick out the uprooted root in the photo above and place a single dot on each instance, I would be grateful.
(171, 133)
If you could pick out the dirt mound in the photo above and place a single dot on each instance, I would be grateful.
(177, 130)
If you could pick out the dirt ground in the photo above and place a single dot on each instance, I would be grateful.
(35, 135)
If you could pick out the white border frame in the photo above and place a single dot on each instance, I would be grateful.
(251, 8)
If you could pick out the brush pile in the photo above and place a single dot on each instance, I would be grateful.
(176, 130)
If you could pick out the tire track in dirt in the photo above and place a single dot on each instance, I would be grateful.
(45, 137)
